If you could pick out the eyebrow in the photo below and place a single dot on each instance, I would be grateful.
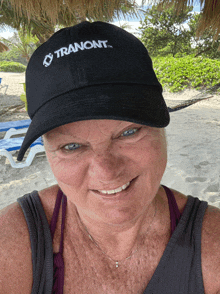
(53, 133)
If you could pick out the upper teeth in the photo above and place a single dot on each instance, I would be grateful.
(115, 190)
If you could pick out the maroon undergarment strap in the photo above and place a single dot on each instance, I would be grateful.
(58, 266)
(174, 210)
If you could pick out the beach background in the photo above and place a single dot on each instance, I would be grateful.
(193, 137)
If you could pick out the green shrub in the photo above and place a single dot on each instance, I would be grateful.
(10, 66)
(9, 56)
(176, 74)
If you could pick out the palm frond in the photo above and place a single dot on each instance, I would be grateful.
(210, 13)
(52, 9)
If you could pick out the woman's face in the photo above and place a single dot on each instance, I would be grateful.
(111, 170)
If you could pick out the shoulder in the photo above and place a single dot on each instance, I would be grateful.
(210, 244)
(15, 247)
(15, 257)
(211, 249)
(211, 223)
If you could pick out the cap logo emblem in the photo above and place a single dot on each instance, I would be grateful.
(48, 59)
(73, 48)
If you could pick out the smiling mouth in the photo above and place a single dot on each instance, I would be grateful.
(122, 188)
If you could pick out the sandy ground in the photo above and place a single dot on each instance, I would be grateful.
(193, 148)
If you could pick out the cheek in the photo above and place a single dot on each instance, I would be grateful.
(151, 154)
(153, 164)
(152, 159)
(158, 164)
(67, 171)
(159, 154)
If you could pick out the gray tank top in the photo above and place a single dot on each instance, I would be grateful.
(179, 270)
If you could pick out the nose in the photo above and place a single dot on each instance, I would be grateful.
(106, 167)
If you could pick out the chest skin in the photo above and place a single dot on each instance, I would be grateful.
(88, 270)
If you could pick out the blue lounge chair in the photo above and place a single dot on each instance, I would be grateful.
(14, 127)
(13, 144)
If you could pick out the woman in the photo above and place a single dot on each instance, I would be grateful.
(94, 97)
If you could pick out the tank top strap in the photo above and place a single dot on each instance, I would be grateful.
(175, 214)
(58, 265)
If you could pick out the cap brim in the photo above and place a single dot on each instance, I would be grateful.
(142, 104)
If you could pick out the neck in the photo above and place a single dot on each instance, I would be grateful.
(118, 241)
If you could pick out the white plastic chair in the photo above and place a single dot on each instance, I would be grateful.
(13, 144)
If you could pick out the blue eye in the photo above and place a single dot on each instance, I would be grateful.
(129, 132)
(71, 146)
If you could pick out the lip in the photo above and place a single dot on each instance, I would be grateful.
(117, 196)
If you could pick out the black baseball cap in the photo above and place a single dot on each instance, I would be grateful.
(91, 71)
